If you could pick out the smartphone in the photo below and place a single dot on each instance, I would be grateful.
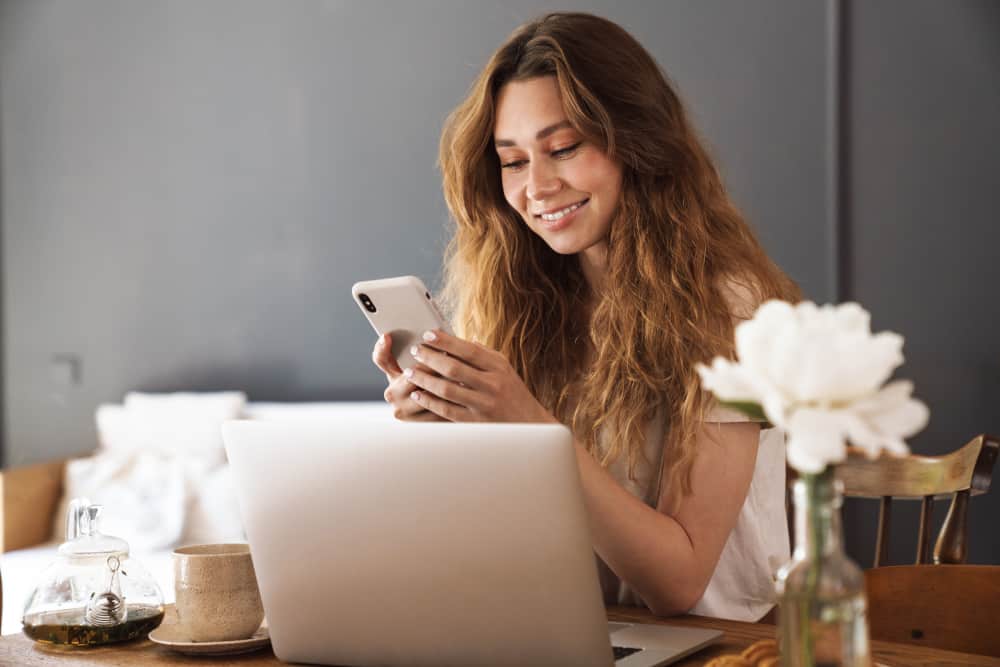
(401, 307)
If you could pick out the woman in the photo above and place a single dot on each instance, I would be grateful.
(596, 259)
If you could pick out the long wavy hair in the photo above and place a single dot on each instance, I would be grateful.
(676, 241)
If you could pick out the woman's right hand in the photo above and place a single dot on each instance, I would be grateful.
(397, 394)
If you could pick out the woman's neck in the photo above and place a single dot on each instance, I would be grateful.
(594, 264)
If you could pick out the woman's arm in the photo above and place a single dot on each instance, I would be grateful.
(669, 559)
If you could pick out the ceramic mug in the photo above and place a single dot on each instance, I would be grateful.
(217, 598)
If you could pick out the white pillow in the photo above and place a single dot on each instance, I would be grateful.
(319, 410)
(185, 424)
(209, 405)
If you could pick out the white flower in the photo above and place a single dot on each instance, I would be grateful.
(817, 372)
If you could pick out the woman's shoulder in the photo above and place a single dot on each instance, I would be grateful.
(741, 295)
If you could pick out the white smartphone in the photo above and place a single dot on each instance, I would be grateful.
(401, 307)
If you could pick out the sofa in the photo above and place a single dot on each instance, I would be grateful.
(34, 497)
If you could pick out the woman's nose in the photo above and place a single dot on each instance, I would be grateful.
(543, 182)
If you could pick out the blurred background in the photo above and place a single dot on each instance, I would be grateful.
(188, 188)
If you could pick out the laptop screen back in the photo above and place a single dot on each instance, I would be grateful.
(379, 542)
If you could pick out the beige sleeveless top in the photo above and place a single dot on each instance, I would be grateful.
(742, 587)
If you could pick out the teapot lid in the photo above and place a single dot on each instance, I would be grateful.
(83, 535)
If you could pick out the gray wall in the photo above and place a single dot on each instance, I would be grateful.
(189, 188)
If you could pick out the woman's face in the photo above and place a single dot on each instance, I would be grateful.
(564, 188)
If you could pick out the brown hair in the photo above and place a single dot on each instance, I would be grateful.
(676, 241)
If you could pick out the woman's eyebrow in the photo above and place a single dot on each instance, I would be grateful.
(544, 132)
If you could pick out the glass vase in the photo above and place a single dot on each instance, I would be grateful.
(821, 592)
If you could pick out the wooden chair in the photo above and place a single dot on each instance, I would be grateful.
(945, 605)
(29, 496)
(952, 607)
(965, 472)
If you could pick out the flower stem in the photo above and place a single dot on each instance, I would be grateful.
(817, 537)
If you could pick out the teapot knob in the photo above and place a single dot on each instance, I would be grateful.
(76, 518)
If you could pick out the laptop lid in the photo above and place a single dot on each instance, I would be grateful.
(381, 542)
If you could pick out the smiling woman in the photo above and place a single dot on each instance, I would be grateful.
(596, 260)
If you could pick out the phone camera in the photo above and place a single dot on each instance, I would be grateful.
(366, 302)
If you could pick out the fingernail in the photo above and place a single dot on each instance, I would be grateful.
(415, 395)
(381, 340)
(414, 350)
(408, 372)
(430, 335)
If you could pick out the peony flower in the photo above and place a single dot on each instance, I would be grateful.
(818, 373)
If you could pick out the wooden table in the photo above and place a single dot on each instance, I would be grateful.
(20, 651)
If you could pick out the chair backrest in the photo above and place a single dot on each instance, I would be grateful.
(965, 472)
(952, 607)
(29, 496)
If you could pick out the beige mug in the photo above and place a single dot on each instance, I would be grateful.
(217, 598)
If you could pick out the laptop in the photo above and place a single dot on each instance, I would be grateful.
(389, 543)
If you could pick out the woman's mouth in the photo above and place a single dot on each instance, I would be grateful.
(554, 220)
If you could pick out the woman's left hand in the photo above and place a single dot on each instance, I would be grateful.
(475, 383)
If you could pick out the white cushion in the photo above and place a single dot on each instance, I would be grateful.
(319, 410)
(181, 423)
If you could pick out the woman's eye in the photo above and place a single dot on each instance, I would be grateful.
(566, 152)
(513, 165)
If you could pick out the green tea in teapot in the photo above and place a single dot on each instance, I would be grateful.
(70, 628)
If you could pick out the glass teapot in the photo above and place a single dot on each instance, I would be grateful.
(93, 593)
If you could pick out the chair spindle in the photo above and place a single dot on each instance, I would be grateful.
(882, 541)
(924, 536)
(952, 543)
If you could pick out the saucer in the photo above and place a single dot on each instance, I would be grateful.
(169, 636)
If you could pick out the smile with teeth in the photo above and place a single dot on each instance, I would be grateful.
(556, 215)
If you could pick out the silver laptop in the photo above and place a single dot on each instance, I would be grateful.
(386, 543)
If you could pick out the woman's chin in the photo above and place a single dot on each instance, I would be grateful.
(560, 242)
(562, 247)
